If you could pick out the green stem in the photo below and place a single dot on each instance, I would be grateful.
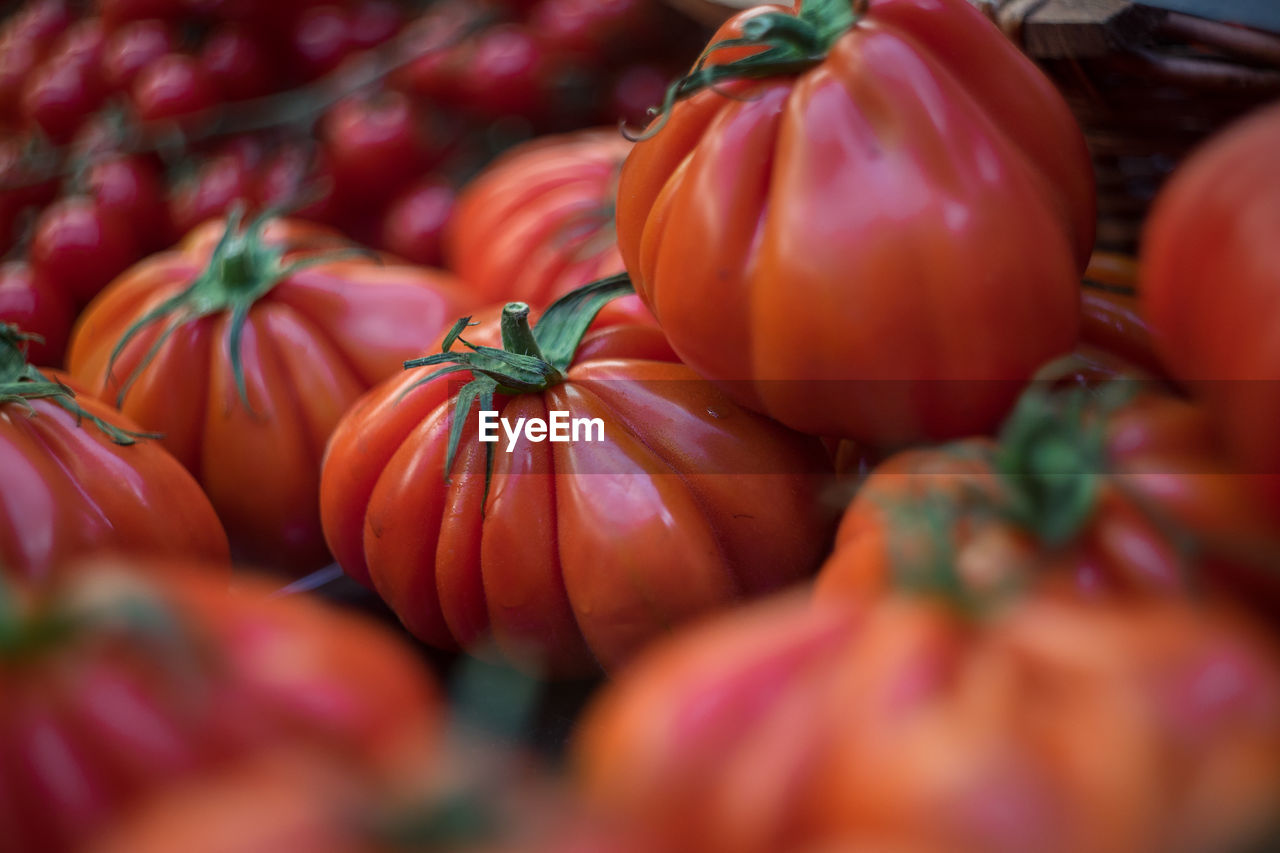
(517, 334)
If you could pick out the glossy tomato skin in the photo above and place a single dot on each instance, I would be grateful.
(220, 182)
(200, 689)
(1210, 286)
(376, 146)
(539, 221)
(414, 224)
(1054, 724)
(130, 190)
(172, 87)
(37, 306)
(583, 551)
(69, 490)
(80, 246)
(237, 64)
(311, 345)
(1169, 518)
(132, 48)
(884, 247)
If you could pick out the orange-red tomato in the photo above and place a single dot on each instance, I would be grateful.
(883, 245)
(1112, 325)
(1052, 724)
(582, 550)
(78, 478)
(1210, 284)
(1135, 499)
(311, 340)
(119, 684)
(539, 221)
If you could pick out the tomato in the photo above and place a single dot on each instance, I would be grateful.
(34, 305)
(373, 22)
(504, 72)
(132, 48)
(237, 64)
(80, 479)
(25, 191)
(633, 92)
(539, 221)
(587, 29)
(117, 13)
(79, 246)
(1129, 497)
(321, 40)
(67, 86)
(884, 246)
(299, 183)
(254, 361)
(17, 61)
(157, 675)
(131, 191)
(434, 75)
(211, 191)
(1210, 286)
(1050, 724)
(376, 145)
(172, 87)
(414, 223)
(560, 552)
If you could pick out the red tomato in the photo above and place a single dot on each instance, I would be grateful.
(132, 48)
(19, 174)
(34, 305)
(79, 246)
(434, 75)
(539, 221)
(299, 183)
(633, 93)
(884, 246)
(159, 676)
(131, 191)
(220, 183)
(80, 480)
(1049, 724)
(59, 95)
(1133, 498)
(1210, 285)
(172, 87)
(373, 22)
(572, 555)
(376, 145)
(414, 224)
(504, 72)
(249, 415)
(25, 39)
(586, 29)
(116, 13)
(17, 61)
(237, 64)
(322, 38)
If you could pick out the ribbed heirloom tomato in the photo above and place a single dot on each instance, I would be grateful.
(872, 214)
(244, 347)
(78, 478)
(1210, 284)
(1050, 723)
(1123, 496)
(121, 682)
(539, 221)
(573, 554)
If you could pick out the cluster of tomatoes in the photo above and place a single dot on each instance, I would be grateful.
(127, 124)
(910, 522)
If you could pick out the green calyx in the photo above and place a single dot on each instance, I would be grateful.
(21, 382)
(791, 44)
(531, 360)
(1053, 458)
(242, 269)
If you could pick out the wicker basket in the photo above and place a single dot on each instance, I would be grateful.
(1146, 84)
